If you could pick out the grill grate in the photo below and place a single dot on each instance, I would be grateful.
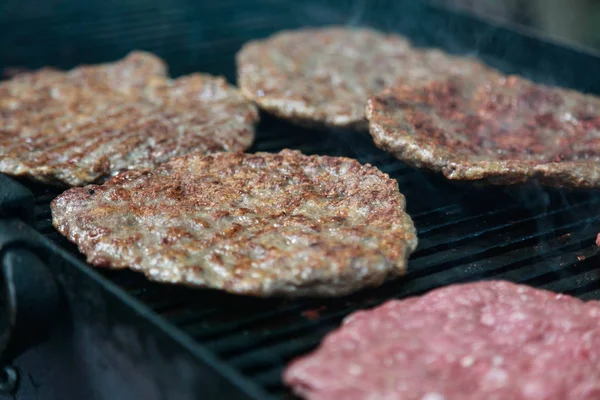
(542, 237)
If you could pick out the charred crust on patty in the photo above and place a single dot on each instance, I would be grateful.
(492, 127)
(71, 128)
(261, 224)
(320, 77)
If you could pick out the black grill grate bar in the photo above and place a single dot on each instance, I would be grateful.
(239, 346)
(56, 237)
(462, 218)
(294, 326)
(410, 184)
(192, 321)
(399, 289)
(578, 285)
(43, 219)
(220, 319)
(171, 310)
(196, 326)
(167, 307)
(594, 294)
(429, 183)
(414, 269)
(395, 168)
(362, 149)
(406, 179)
(484, 268)
(46, 228)
(490, 268)
(188, 315)
(473, 253)
(226, 339)
(274, 328)
(187, 306)
(271, 379)
(543, 272)
(167, 299)
(43, 209)
(159, 305)
(213, 307)
(45, 199)
(416, 206)
(198, 310)
(262, 357)
(443, 211)
(185, 317)
(379, 157)
(477, 252)
(504, 262)
(262, 360)
(265, 364)
(431, 243)
(233, 328)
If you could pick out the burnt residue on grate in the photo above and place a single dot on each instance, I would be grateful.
(528, 234)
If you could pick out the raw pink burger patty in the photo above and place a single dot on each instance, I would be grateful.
(491, 340)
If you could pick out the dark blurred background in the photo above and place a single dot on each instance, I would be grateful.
(576, 21)
(201, 35)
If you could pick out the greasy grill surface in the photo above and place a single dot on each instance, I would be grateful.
(532, 235)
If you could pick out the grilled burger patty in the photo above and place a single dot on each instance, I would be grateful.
(84, 125)
(320, 76)
(259, 224)
(504, 129)
(325, 76)
(489, 340)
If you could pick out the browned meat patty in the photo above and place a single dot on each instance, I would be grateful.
(321, 76)
(489, 340)
(504, 129)
(84, 125)
(259, 224)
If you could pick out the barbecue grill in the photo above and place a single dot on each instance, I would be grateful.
(68, 331)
